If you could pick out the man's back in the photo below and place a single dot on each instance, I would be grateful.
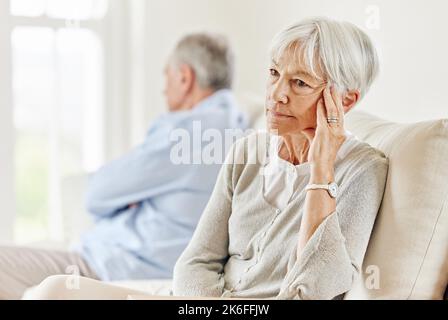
(147, 203)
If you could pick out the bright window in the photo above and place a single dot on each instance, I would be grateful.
(60, 9)
(58, 82)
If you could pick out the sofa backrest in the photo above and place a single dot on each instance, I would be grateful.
(407, 256)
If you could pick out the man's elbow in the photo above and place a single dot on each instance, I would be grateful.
(95, 203)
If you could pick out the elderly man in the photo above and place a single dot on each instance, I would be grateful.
(146, 204)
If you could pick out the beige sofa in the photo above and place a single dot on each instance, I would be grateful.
(409, 243)
(407, 257)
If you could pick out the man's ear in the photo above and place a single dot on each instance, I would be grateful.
(350, 98)
(188, 77)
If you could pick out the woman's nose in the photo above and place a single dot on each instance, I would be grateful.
(279, 93)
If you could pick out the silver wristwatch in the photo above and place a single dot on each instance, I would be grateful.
(332, 188)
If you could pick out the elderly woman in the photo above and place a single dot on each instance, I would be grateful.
(292, 210)
(300, 229)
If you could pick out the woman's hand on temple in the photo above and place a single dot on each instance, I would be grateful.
(328, 137)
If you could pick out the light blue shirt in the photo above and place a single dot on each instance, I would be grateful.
(144, 241)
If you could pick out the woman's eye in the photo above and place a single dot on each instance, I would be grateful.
(273, 72)
(301, 84)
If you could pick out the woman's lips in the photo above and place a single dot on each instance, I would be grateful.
(279, 115)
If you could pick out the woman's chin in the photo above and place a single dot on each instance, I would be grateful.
(273, 128)
(279, 129)
(310, 132)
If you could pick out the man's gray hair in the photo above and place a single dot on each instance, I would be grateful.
(210, 57)
(342, 51)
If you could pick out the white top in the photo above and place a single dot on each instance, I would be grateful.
(243, 247)
(282, 179)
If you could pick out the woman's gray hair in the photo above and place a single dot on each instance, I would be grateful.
(342, 51)
(210, 57)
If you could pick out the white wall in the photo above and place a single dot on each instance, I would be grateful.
(412, 40)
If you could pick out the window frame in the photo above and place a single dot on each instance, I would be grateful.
(7, 198)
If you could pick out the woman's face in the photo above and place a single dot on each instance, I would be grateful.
(292, 96)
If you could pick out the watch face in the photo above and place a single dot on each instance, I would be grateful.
(333, 189)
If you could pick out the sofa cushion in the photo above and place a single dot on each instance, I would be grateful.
(157, 287)
(407, 256)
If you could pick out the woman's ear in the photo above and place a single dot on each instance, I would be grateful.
(349, 100)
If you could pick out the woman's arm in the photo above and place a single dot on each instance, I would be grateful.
(324, 146)
(327, 255)
(318, 206)
(333, 255)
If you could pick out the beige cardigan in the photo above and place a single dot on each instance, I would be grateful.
(243, 247)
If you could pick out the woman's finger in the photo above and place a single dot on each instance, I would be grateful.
(337, 98)
(332, 111)
(321, 116)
